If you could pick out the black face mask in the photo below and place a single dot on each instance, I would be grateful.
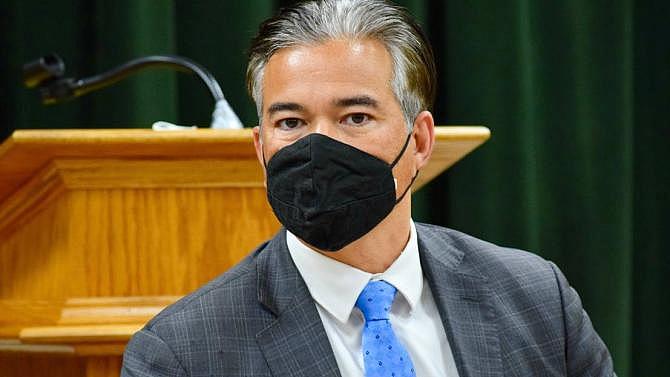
(329, 193)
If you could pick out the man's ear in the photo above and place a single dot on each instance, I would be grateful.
(258, 144)
(424, 138)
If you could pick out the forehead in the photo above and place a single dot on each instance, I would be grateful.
(333, 66)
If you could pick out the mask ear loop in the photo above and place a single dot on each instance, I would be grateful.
(408, 187)
(402, 151)
(265, 164)
(393, 164)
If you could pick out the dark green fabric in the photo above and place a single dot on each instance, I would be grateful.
(575, 93)
(553, 80)
(651, 190)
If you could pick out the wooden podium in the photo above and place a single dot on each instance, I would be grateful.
(101, 229)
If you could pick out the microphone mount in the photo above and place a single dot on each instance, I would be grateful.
(46, 73)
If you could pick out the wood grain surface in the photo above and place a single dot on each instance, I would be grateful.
(128, 242)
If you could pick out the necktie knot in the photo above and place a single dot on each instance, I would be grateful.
(375, 300)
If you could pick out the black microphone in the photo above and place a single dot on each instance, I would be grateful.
(46, 74)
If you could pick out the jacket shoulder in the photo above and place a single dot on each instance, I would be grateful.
(541, 322)
(215, 322)
(483, 258)
(518, 281)
(226, 292)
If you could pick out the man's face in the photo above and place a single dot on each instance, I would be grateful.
(341, 89)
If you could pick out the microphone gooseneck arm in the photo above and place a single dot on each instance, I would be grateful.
(46, 73)
(86, 85)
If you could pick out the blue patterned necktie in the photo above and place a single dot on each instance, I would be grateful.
(383, 355)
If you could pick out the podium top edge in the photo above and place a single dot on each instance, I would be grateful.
(127, 135)
(187, 136)
(26, 152)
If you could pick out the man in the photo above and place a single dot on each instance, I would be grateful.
(352, 286)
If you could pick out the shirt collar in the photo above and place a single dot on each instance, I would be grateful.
(336, 286)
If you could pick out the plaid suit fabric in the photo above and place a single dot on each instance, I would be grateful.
(506, 313)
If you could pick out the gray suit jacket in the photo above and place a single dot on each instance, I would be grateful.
(506, 313)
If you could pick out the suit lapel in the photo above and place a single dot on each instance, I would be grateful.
(463, 299)
(295, 343)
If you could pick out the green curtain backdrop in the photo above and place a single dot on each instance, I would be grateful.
(575, 93)
(557, 178)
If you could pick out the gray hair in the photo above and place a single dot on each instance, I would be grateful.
(316, 22)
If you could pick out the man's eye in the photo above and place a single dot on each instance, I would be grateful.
(290, 123)
(357, 119)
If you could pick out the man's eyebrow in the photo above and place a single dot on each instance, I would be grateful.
(356, 101)
(284, 106)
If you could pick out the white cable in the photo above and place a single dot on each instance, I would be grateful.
(224, 117)
(162, 125)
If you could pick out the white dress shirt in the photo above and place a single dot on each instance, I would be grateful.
(414, 316)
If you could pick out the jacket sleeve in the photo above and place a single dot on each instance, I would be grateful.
(148, 355)
(586, 354)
